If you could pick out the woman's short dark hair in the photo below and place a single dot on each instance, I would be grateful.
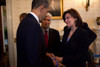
(37, 3)
(74, 13)
(22, 15)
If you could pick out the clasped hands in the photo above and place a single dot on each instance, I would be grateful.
(56, 60)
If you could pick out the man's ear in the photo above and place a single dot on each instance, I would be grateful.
(41, 8)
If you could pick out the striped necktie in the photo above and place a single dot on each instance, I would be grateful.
(46, 37)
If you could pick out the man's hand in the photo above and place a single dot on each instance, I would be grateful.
(51, 55)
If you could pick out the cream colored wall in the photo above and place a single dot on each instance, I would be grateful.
(18, 7)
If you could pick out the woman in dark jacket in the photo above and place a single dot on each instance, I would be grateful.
(75, 41)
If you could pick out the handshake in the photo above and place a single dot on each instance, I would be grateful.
(57, 61)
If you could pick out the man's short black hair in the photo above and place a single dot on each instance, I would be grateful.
(37, 3)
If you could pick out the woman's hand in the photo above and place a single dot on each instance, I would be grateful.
(59, 59)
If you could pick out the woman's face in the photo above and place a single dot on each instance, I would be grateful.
(69, 20)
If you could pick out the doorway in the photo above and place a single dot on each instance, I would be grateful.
(1, 37)
(4, 29)
(4, 57)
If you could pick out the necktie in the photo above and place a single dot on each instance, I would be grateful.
(46, 37)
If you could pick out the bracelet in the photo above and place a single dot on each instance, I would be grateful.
(56, 62)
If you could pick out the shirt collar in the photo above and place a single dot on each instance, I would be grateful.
(46, 29)
(35, 16)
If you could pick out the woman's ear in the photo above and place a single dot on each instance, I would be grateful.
(76, 19)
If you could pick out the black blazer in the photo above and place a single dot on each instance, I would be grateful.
(74, 51)
(92, 36)
(53, 42)
(31, 44)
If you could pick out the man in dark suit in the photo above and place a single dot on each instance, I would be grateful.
(53, 36)
(30, 40)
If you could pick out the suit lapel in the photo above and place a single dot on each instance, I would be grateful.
(50, 34)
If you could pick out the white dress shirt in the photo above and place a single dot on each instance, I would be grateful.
(36, 17)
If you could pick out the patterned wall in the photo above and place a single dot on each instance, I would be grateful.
(89, 16)
(18, 7)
